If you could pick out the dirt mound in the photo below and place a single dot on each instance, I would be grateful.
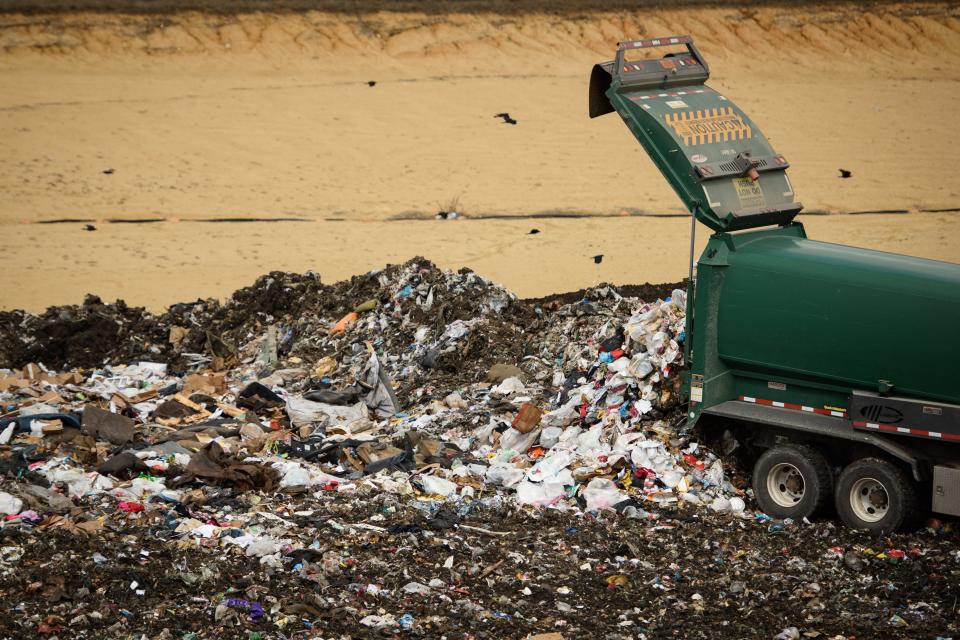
(87, 334)
(412, 295)
(645, 291)
(890, 36)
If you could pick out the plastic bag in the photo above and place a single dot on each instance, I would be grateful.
(549, 466)
(720, 505)
(416, 588)
(539, 493)
(434, 485)
(601, 493)
(302, 411)
(640, 366)
(560, 417)
(504, 474)
(381, 397)
(508, 386)
(518, 443)
(550, 436)
(10, 505)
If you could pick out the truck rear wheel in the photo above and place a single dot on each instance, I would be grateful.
(875, 495)
(792, 481)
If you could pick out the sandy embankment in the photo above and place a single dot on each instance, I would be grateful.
(270, 115)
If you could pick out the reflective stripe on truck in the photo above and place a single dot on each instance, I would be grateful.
(890, 428)
(795, 407)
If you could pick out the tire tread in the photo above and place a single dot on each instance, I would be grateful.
(823, 476)
(899, 484)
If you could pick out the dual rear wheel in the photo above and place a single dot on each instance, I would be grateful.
(795, 481)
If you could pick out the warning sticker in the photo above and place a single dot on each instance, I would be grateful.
(749, 192)
(677, 104)
(707, 126)
(696, 388)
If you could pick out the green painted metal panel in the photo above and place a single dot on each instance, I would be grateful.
(842, 315)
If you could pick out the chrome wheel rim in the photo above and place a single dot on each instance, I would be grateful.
(785, 485)
(869, 500)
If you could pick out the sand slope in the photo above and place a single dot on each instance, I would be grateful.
(194, 116)
(270, 115)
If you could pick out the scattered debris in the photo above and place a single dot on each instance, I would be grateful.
(453, 461)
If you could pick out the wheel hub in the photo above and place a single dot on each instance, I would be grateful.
(785, 485)
(869, 500)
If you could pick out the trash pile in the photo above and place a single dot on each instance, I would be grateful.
(304, 317)
(347, 461)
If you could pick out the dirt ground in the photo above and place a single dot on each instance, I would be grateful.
(193, 116)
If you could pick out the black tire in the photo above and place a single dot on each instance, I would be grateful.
(807, 490)
(859, 501)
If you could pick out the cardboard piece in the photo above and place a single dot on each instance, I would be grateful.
(205, 383)
(528, 417)
(104, 425)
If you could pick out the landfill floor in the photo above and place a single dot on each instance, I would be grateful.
(686, 576)
(409, 453)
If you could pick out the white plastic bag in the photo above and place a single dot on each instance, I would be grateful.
(540, 494)
(508, 386)
(640, 366)
(302, 411)
(518, 443)
(549, 466)
(10, 505)
(505, 475)
(550, 436)
(560, 417)
(416, 588)
(601, 493)
(434, 485)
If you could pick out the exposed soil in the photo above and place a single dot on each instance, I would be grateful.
(372, 6)
(688, 577)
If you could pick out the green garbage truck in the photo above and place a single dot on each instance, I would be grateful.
(837, 368)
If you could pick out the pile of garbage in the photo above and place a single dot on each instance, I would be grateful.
(402, 305)
(297, 420)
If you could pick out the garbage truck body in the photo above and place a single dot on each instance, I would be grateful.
(838, 368)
